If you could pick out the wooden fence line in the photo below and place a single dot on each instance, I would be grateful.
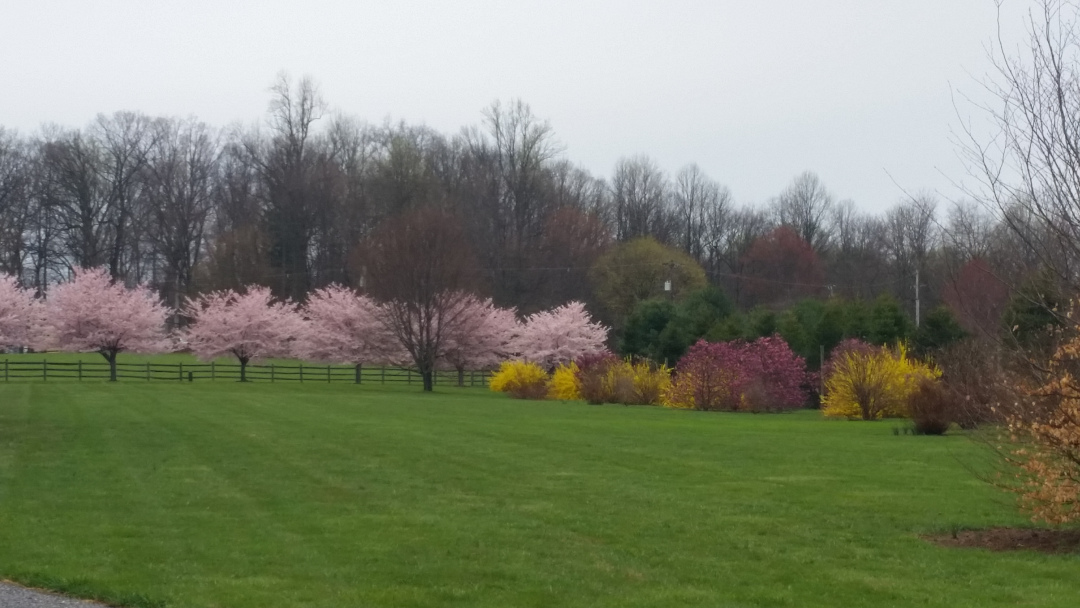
(44, 371)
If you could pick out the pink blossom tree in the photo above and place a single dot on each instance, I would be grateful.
(248, 325)
(18, 313)
(92, 313)
(342, 326)
(560, 335)
(483, 336)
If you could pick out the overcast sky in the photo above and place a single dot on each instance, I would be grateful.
(754, 91)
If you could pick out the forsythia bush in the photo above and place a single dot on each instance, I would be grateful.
(603, 378)
(564, 383)
(598, 378)
(640, 383)
(873, 384)
(763, 375)
(521, 379)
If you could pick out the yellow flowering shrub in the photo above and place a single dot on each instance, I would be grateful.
(521, 379)
(636, 383)
(874, 385)
(564, 384)
(678, 394)
(650, 382)
(617, 381)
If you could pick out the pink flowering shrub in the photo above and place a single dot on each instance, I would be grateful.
(759, 376)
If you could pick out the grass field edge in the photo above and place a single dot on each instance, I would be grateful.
(79, 589)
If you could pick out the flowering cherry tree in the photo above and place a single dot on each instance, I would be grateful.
(249, 326)
(483, 336)
(342, 326)
(18, 313)
(92, 313)
(560, 335)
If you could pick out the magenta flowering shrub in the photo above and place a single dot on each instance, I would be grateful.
(759, 376)
(592, 374)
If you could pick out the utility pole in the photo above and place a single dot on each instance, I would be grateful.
(917, 298)
(821, 377)
(176, 303)
(668, 286)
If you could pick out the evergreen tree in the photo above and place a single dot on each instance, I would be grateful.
(888, 324)
(939, 329)
(641, 334)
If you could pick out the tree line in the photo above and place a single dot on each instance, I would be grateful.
(289, 203)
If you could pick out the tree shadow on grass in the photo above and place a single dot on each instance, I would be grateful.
(1011, 539)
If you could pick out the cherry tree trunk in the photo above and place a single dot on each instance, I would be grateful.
(111, 358)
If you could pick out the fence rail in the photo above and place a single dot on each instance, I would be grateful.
(48, 371)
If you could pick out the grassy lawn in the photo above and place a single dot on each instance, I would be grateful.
(283, 495)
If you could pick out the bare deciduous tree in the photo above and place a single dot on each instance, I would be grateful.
(1028, 168)
(286, 162)
(641, 200)
(16, 169)
(698, 203)
(125, 139)
(805, 206)
(420, 267)
(178, 192)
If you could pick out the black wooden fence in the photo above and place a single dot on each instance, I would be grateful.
(48, 371)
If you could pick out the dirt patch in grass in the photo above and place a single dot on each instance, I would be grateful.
(1012, 539)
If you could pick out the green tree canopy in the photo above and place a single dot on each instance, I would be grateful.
(644, 326)
(636, 270)
(938, 330)
(888, 323)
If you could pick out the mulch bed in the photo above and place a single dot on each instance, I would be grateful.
(1012, 539)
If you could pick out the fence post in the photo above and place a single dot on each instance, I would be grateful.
(358, 373)
(271, 372)
(181, 376)
(382, 376)
(328, 374)
(408, 376)
(80, 370)
(213, 374)
(5, 370)
(147, 371)
(301, 372)
(44, 370)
